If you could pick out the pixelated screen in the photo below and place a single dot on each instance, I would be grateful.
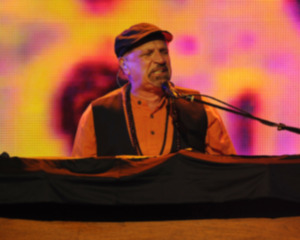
(56, 56)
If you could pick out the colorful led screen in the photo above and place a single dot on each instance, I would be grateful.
(56, 56)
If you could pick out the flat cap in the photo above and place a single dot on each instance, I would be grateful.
(137, 35)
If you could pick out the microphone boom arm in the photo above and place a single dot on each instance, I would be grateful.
(280, 126)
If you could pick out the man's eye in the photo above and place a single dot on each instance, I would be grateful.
(165, 51)
(146, 54)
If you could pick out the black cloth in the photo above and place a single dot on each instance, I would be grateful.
(180, 186)
(177, 179)
(111, 132)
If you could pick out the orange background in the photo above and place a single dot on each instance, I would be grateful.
(246, 53)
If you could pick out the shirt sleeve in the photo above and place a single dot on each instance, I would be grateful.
(217, 140)
(85, 139)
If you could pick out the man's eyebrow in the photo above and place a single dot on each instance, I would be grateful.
(153, 49)
(148, 50)
(164, 48)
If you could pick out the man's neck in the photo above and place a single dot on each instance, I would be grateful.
(151, 95)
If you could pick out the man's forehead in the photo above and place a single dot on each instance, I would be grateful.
(150, 45)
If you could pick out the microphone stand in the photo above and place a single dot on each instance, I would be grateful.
(280, 126)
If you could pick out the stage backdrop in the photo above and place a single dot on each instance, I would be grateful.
(55, 56)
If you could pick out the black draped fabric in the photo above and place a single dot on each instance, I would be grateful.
(173, 179)
(183, 185)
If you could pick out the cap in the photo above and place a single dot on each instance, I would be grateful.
(137, 35)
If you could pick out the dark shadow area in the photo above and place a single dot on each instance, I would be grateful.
(259, 208)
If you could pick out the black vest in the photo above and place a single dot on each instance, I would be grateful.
(111, 130)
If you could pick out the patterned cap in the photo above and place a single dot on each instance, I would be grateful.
(137, 35)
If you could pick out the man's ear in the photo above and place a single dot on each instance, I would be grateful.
(123, 66)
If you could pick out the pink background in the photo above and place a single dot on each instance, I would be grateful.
(55, 54)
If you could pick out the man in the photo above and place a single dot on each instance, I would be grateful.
(139, 119)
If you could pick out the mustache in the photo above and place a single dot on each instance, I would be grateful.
(160, 67)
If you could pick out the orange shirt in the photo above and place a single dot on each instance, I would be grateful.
(150, 129)
(150, 126)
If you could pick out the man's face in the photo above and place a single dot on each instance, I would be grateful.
(148, 65)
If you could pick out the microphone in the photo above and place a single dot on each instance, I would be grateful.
(169, 90)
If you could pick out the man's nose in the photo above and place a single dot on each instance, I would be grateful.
(159, 57)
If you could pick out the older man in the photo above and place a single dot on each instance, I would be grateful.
(139, 119)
